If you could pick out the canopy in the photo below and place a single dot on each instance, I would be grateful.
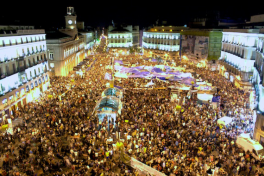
(175, 78)
(112, 92)
(108, 76)
(186, 75)
(136, 76)
(188, 81)
(142, 73)
(118, 87)
(120, 75)
(224, 120)
(139, 67)
(119, 61)
(148, 67)
(174, 73)
(161, 66)
(118, 67)
(134, 71)
(157, 70)
(109, 102)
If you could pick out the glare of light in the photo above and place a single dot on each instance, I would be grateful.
(261, 104)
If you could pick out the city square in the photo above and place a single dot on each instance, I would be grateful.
(173, 100)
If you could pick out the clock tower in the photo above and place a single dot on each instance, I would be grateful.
(70, 18)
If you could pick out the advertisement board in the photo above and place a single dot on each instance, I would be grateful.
(195, 46)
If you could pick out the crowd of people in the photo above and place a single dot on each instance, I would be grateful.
(60, 134)
(189, 141)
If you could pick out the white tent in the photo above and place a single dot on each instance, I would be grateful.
(149, 84)
(224, 120)
(205, 97)
(185, 75)
(199, 83)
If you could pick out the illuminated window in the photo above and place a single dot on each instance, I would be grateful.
(171, 30)
(155, 29)
(162, 29)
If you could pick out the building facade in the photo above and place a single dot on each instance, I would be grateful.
(238, 55)
(201, 44)
(160, 40)
(258, 72)
(68, 47)
(123, 36)
(23, 68)
(15, 27)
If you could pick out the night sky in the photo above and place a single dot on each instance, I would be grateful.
(46, 14)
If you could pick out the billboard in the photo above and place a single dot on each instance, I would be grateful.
(195, 47)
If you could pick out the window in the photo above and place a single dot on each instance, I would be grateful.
(7, 70)
(14, 68)
(29, 62)
(27, 88)
(51, 56)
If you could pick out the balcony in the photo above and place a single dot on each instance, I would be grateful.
(21, 69)
(20, 58)
(234, 53)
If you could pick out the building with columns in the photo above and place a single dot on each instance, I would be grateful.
(24, 68)
(161, 40)
(238, 55)
(123, 37)
(258, 83)
(68, 47)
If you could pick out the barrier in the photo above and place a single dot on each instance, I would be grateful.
(144, 168)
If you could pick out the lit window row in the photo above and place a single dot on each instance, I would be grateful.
(15, 40)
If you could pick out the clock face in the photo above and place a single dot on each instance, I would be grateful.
(70, 21)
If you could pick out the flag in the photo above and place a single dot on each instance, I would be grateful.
(216, 99)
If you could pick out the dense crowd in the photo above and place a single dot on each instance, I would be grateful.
(60, 135)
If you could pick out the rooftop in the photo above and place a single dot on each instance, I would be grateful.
(21, 32)
(56, 35)
(119, 29)
(242, 30)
